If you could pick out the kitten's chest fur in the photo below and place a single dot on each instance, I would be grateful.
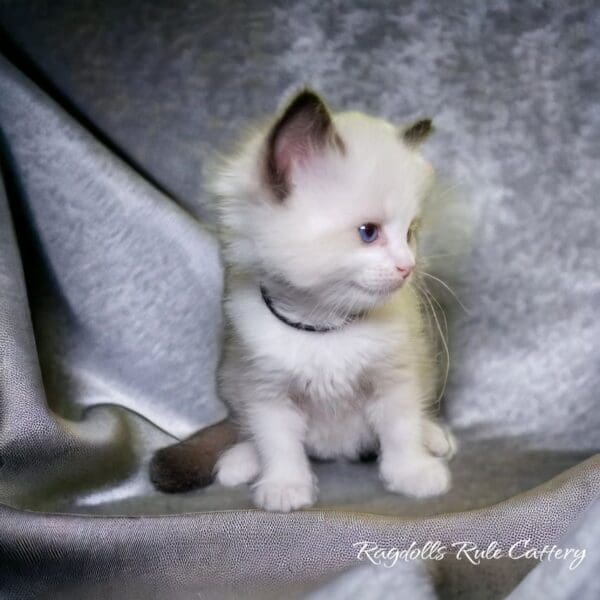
(333, 377)
(319, 371)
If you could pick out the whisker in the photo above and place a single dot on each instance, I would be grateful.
(427, 296)
(416, 292)
(441, 309)
(452, 292)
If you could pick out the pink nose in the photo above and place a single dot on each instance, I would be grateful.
(405, 271)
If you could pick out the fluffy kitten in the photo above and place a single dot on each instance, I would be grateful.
(326, 353)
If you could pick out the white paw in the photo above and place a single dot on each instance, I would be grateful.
(283, 496)
(238, 464)
(439, 440)
(419, 476)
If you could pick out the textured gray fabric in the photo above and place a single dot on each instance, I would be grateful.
(366, 583)
(554, 580)
(110, 290)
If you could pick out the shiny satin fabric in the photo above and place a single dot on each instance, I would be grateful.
(110, 288)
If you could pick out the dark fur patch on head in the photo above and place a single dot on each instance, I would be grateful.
(418, 132)
(304, 127)
(189, 464)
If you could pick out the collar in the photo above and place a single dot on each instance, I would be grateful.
(297, 324)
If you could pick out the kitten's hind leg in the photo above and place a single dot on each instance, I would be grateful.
(238, 464)
(438, 439)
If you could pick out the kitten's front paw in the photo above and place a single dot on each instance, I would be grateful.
(439, 440)
(283, 496)
(420, 476)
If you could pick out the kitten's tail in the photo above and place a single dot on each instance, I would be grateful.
(189, 464)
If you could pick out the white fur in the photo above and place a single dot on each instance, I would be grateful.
(369, 383)
(238, 464)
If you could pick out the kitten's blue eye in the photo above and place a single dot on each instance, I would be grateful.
(368, 232)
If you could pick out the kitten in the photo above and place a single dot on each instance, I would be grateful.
(326, 353)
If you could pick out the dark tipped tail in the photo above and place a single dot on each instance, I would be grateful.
(189, 464)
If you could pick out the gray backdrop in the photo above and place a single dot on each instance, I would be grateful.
(110, 285)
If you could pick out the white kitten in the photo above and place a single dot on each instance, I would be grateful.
(326, 353)
(292, 207)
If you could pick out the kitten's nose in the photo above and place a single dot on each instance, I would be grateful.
(405, 270)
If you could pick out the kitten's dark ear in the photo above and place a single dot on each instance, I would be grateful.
(418, 132)
(304, 129)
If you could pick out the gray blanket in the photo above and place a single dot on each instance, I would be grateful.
(110, 286)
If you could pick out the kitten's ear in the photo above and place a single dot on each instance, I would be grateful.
(303, 130)
(418, 132)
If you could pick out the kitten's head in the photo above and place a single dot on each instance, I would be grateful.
(328, 203)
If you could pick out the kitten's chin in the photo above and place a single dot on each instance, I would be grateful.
(376, 296)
